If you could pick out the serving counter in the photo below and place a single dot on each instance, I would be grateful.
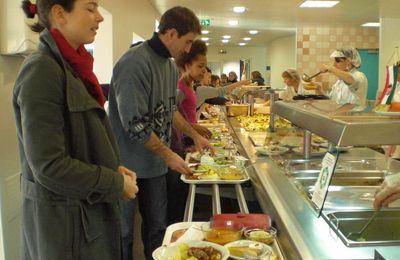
(303, 235)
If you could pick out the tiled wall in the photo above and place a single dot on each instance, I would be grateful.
(314, 46)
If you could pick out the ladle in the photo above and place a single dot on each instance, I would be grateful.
(357, 235)
(307, 78)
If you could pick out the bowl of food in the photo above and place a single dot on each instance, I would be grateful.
(230, 173)
(222, 234)
(266, 236)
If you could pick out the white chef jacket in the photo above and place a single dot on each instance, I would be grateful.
(355, 93)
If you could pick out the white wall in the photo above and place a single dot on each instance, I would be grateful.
(281, 55)
(230, 60)
(388, 39)
(128, 16)
(103, 48)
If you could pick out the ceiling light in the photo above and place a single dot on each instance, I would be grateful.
(225, 41)
(247, 38)
(207, 43)
(242, 43)
(318, 4)
(239, 9)
(371, 24)
(204, 39)
(253, 31)
(205, 32)
(233, 22)
(226, 36)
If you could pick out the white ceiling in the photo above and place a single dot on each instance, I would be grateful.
(279, 18)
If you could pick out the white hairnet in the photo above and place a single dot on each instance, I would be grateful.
(293, 74)
(349, 53)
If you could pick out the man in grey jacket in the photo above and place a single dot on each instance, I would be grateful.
(142, 113)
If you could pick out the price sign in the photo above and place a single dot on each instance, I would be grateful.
(324, 178)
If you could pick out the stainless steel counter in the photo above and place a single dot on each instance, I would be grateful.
(301, 233)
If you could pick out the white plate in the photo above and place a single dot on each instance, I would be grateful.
(166, 252)
(321, 151)
(266, 150)
(387, 113)
(245, 243)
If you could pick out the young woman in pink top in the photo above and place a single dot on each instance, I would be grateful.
(193, 66)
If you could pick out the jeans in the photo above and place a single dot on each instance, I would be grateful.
(127, 209)
(152, 199)
(177, 194)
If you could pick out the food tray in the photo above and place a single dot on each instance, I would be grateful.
(214, 181)
(182, 225)
(189, 181)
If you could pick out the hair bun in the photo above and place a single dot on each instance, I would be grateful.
(30, 9)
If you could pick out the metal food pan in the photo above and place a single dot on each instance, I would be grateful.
(383, 230)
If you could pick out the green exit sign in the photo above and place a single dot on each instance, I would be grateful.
(205, 22)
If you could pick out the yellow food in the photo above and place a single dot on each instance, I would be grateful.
(222, 236)
(261, 236)
(241, 250)
(381, 108)
(310, 87)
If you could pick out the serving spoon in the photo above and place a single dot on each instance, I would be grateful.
(307, 78)
(357, 235)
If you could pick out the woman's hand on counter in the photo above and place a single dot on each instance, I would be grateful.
(130, 186)
(388, 192)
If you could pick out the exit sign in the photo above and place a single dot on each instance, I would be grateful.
(205, 22)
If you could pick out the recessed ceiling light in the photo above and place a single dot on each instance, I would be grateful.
(318, 4)
(205, 32)
(204, 39)
(371, 24)
(226, 36)
(242, 43)
(233, 22)
(247, 38)
(253, 31)
(207, 43)
(239, 9)
(225, 40)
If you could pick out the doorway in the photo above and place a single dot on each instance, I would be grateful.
(370, 67)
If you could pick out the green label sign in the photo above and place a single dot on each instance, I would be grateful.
(205, 22)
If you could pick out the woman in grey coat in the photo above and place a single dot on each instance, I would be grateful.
(71, 177)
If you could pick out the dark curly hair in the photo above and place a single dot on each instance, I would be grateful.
(43, 10)
(198, 48)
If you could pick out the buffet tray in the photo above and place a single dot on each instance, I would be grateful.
(185, 225)
(342, 126)
(216, 181)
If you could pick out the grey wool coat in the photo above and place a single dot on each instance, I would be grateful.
(69, 159)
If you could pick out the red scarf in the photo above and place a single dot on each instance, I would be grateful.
(82, 62)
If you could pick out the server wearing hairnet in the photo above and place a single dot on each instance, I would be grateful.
(293, 85)
(352, 85)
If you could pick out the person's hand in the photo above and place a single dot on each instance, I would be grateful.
(176, 163)
(203, 131)
(245, 82)
(388, 192)
(201, 144)
(130, 186)
(323, 68)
